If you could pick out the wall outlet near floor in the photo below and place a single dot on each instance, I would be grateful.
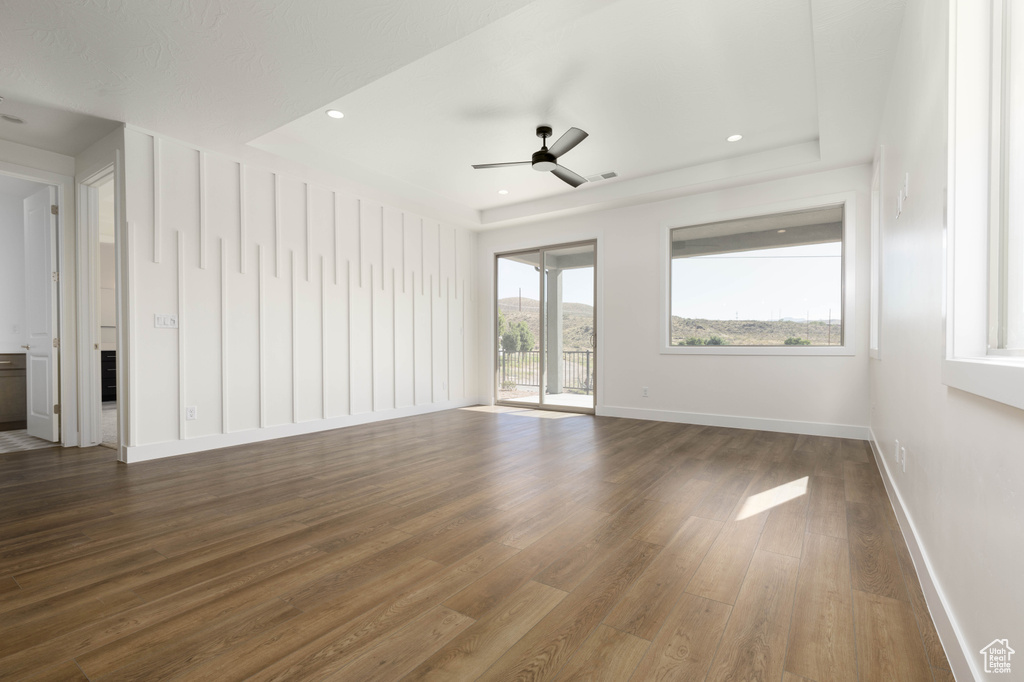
(643, 392)
(191, 413)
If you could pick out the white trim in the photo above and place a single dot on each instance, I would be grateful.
(996, 379)
(737, 422)
(851, 344)
(67, 295)
(949, 631)
(967, 366)
(88, 300)
(141, 453)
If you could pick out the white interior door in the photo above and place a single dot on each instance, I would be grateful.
(41, 313)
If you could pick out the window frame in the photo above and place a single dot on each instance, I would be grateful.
(851, 341)
(974, 206)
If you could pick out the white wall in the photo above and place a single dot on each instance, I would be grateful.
(300, 306)
(827, 394)
(12, 274)
(962, 490)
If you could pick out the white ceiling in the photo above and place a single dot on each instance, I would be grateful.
(429, 87)
(49, 128)
(17, 188)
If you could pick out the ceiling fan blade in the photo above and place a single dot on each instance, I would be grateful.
(502, 165)
(566, 175)
(569, 139)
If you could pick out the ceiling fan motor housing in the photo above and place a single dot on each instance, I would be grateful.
(544, 161)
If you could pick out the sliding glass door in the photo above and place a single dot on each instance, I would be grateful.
(546, 327)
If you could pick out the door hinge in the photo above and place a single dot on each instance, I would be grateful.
(56, 342)
(56, 276)
(56, 409)
(53, 209)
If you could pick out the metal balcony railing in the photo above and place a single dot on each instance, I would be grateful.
(522, 368)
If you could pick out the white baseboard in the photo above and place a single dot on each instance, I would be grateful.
(141, 453)
(957, 652)
(734, 422)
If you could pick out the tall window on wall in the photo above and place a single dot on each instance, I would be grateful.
(985, 230)
(1006, 316)
(767, 281)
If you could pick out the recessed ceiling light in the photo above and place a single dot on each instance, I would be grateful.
(781, 231)
(334, 113)
(734, 138)
(12, 119)
(503, 192)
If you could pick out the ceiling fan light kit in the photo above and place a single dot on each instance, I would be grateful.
(546, 160)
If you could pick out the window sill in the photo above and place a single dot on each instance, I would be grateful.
(1000, 379)
(801, 351)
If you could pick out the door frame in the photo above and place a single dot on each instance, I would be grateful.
(542, 371)
(66, 366)
(89, 301)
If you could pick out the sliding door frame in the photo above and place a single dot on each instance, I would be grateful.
(541, 252)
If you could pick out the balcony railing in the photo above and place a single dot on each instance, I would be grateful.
(522, 368)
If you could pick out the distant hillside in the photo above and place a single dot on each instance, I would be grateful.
(755, 332)
(577, 321)
(577, 326)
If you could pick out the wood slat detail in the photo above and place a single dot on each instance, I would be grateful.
(473, 651)
(608, 655)
(888, 645)
(875, 566)
(549, 644)
(721, 573)
(821, 639)
(754, 643)
(685, 646)
(643, 609)
(401, 652)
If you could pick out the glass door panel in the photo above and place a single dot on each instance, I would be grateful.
(570, 331)
(518, 369)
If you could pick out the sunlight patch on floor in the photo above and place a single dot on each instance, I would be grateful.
(780, 494)
(523, 412)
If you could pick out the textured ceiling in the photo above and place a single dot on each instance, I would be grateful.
(430, 87)
(217, 71)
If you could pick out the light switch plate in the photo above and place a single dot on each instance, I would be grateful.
(165, 321)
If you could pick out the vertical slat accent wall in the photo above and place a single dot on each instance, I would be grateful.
(337, 307)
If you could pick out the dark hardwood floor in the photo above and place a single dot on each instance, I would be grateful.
(463, 545)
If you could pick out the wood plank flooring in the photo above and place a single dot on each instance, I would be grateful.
(463, 545)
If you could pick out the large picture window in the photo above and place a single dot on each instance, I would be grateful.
(1007, 296)
(774, 280)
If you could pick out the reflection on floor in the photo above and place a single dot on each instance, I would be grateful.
(18, 440)
(556, 399)
(109, 418)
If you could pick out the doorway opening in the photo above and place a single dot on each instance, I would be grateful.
(546, 327)
(29, 315)
(98, 201)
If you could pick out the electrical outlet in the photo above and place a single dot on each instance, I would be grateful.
(643, 392)
(903, 456)
(191, 413)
